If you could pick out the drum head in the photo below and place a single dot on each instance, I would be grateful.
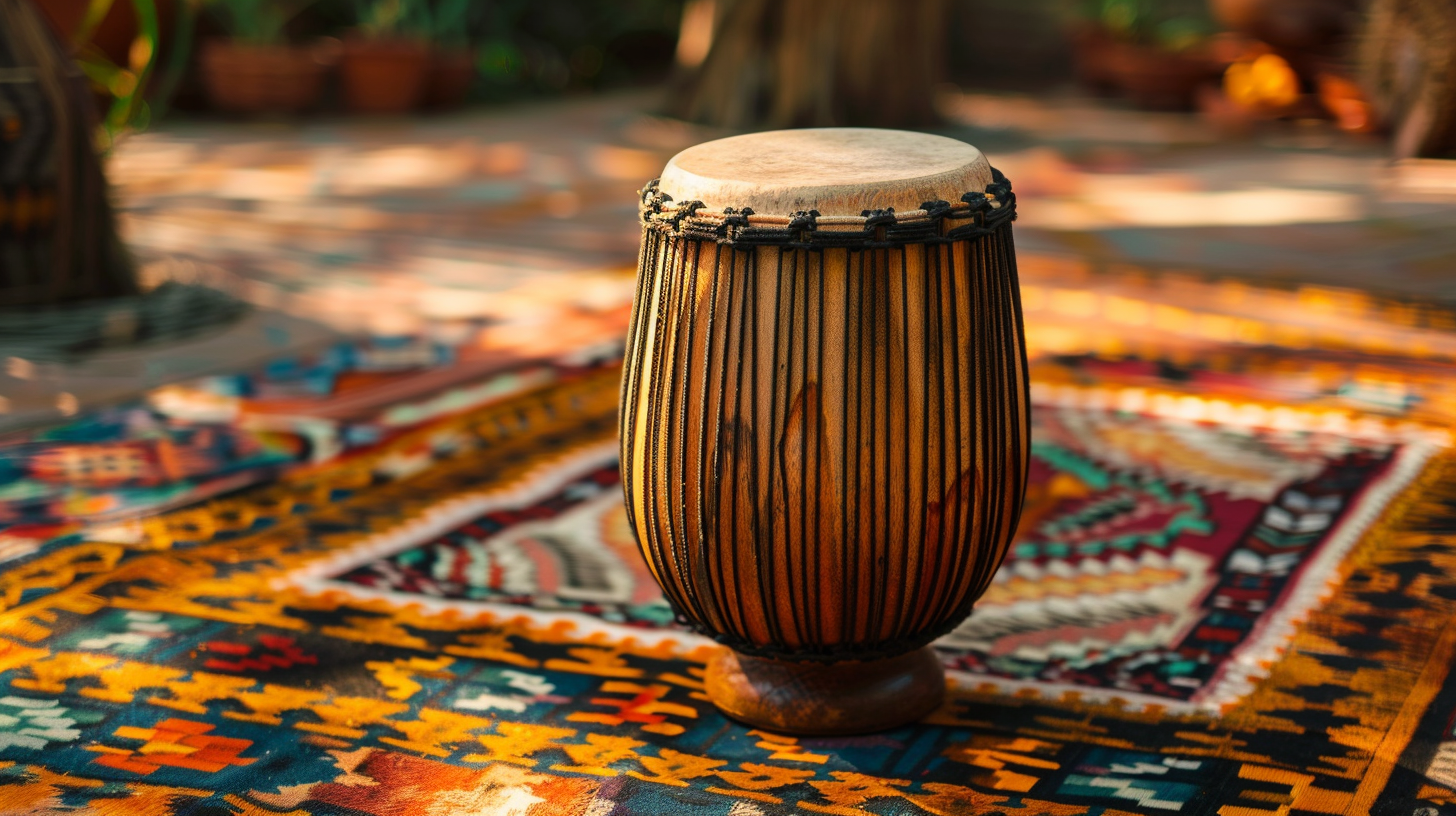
(837, 171)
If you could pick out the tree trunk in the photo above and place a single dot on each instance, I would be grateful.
(1407, 62)
(817, 63)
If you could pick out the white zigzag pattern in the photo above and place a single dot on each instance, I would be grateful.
(990, 622)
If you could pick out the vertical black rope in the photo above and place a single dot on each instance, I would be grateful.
(1011, 406)
(873, 578)
(970, 321)
(821, 416)
(853, 568)
(682, 395)
(995, 439)
(848, 614)
(950, 476)
(944, 551)
(910, 587)
(702, 478)
(750, 270)
(807, 611)
(924, 498)
(780, 450)
(975, 352)
(1005, 259)
(768, 575)
(632, 374)
(953, 498)
(989, 428)
(875, 340)
(650, 445)
(665, 291)
(1024, 366)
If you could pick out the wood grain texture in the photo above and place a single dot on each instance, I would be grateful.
(826, 698)
(824, 451)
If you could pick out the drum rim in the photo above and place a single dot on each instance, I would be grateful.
(977, 213)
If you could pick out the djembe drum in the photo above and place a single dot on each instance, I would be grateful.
(824, 413)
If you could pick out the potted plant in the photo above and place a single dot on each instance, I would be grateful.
(255, 70)
(386, 58)
(452, 60)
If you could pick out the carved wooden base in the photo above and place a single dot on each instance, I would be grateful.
(826, 698)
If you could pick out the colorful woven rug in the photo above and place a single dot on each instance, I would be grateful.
(1212, 607)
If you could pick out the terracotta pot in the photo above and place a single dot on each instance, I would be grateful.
(1091, 53)
(384, 76)
(252, 79)
(1322, 26)
(1157, 78)
(114, 34)
(448, 82)
(1150, 76)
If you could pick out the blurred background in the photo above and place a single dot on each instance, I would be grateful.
(331, 220)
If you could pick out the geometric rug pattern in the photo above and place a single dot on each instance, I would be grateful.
(471, 635)
(1156, 556)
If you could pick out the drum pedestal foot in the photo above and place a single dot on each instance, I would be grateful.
(852, 697)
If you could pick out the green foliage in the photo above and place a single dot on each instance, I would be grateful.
(540, 47)
(1171, 24)
(124, 84)
(259, 22)
(394, 18)
(449, 21)
(523, 48)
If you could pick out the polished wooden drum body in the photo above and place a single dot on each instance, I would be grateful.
(824, 413)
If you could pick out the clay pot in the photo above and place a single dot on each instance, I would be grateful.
(447, 83)
(1156, 78)
(1321, 26)
(250, 79)
(1150, 76)
(114, 34)
(384, 76)
(1092, 48)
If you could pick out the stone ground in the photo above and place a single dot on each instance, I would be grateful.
(498, 198)
(525, 216)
